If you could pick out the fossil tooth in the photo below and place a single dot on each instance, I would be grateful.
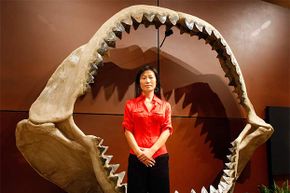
(229, 165)
(203, 190)
(118, 30)
(135, 23)
(161, 18)
(229, 173)
(198, 27)
(223, 42)
(93, 72)
(232, 149)
(120, 177)
(103, 48)
(115, 167)
(94, 66)
(224, 185)
(108, 158)
(175, 191)
(228, 51)
(173, 19)
(192, 191)
(231, 157)
(207, 30)
(220, 188)
(149, 16)
(215, 35)
(138, 17)
(102, 149)
(212, 189)
(226, 179)
(127, 24)
(91, 79)
(111, 40)
(189, 23)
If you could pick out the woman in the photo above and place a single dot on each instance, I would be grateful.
(147, 126)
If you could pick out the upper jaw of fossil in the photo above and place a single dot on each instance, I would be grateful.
(53, 109)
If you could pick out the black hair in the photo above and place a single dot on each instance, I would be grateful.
(138, 90)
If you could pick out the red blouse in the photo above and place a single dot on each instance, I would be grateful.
(147, 126)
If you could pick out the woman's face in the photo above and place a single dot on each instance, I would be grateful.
(147, 81)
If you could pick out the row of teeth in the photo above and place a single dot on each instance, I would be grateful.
(226, 183)
(115, 178)
(186, 24)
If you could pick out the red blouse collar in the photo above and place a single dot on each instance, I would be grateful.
(154, 99)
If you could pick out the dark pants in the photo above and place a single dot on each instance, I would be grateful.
(142, 179)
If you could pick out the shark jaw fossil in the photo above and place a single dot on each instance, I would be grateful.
(60, 152)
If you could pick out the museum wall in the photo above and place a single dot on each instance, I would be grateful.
(36, 36)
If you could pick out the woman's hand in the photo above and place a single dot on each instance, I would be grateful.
(146, 157)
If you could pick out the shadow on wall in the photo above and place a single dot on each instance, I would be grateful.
(191, 94)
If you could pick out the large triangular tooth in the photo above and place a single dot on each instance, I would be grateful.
(149, 16)
(220, 188)
(121, 188)
(234, 143)
(118, 30)
(111, 40)
(189, 23)
(114, 167)
(223, 42)
(198, 27)
(215, 34)
(127, 24)
(228, 51)
(138, 17)
(229, 173)
(231, 149)
(173, 19)
(175, 191)
(103, 149)
(229, 165)
(161, 18)
(91, 79)
(203, 190)
(135, 23)
(108, 158)
(93, 72)
(226, 179)
(99, 62)
(231, 158)
(192, 191)
(212, 189)
(207, 30)
(120, 177)
(224, 185)
(103, 48)
(94, 66)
